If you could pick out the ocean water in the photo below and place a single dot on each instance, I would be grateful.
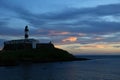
(99, 68)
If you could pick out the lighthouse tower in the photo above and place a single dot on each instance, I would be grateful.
(26, 32)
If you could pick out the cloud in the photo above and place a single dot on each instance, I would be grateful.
(7, 31)
(70, 39)
(94, 46)
(91, 21)
(116, 46)
(80, 22)
(75, 13)
(73, 19)
(99, 38)
(56, 33)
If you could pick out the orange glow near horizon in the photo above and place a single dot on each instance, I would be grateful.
(90, 48)
(94, 46)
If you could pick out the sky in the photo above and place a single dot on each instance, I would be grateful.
(78, 26)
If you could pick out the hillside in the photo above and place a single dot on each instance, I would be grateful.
(10, 57)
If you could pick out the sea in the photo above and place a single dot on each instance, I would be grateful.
(100, 67)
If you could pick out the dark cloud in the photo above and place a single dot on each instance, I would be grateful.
(73, 13)
(58, 21)
(94, 27)
(69, 14)
(88, 26)
(116, 46)
(73, 20)
(100, 27)
(5, 30)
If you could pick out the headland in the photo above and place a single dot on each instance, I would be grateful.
(30, 50)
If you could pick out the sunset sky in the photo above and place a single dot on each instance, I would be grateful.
(78, 26)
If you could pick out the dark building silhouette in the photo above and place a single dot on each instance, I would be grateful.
(26, 43)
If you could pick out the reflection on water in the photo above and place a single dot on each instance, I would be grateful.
(101, 69)
(26, 72)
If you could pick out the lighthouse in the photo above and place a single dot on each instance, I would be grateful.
(26, 43)
(26, 32)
